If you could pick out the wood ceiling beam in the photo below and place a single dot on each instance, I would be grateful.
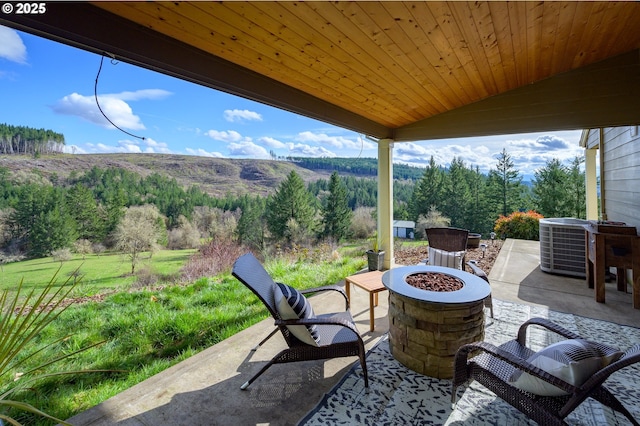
(604, 94)
(87, 27)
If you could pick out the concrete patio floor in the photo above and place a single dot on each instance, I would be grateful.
(205, 389)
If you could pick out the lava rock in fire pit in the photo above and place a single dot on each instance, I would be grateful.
(434, 281)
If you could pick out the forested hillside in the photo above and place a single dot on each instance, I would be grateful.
(357, 166)
(27, 140)
(215, 176)
(58, 201)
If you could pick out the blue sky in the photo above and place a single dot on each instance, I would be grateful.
(50, 85)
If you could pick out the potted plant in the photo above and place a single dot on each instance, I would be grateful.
(375, 256)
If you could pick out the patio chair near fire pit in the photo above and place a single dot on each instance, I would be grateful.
(447, 247)
(549, 384)
(308, 336)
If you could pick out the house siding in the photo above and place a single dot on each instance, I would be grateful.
(621, 172)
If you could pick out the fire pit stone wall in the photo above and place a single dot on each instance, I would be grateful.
(427, 335)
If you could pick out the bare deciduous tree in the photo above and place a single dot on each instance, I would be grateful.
(433, 219)
(138, 232)
(185, 236)
(363, 223)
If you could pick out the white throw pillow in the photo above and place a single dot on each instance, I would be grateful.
(291, 304)
(449, 259)
(573, 361)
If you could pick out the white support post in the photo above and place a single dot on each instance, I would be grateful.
(591, 179)
(385, 200)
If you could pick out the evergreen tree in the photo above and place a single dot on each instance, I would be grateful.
(251, 225)
(113, 210)
(480, 218)
(457, 196)
(550, 189)
(505, 185)
(50, 226)
(54, 229)
(290, 201)
(427, 192)
(31, 206)
(84, 210)
(336, 212)
(576, 200)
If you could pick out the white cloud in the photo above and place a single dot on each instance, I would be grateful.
(237, 115)
(224, 136)
(529, 152)
(271, 142)
(544, 142)
(11, 46)
(304, 150)
(138, 95)
(125, 146)
(118, 111)
(339, 142)
(113, 106)
(202, 153)
(420, 155)
(153, 146)
(247, 149)
(73, 149)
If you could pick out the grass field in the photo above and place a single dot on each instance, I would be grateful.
(99, 272)
(146, 330)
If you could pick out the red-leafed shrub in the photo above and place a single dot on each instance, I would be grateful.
(521, 225)
(212, 259)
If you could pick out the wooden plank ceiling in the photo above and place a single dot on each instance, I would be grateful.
(405, 70)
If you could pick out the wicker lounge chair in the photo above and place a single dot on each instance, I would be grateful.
(336, 334)
(455, 240)
(493, 367)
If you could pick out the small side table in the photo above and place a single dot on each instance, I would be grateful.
(372, 283)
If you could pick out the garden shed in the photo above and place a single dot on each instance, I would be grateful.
(404, 229)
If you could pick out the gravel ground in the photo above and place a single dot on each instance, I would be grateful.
(415, 255)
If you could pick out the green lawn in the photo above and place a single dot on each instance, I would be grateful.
(147, 330)
(106, 271)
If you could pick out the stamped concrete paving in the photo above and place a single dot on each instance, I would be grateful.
(205, 389)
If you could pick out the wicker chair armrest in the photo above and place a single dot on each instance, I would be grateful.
(517, 362)
(549, 325)
(630, 356)
(328, 288)
(477, 271)
(319, 321)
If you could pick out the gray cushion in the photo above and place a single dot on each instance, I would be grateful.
(449, 259)
(291, 304)
(573, 361)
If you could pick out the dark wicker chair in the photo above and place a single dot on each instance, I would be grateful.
(455, 239)
(492, 366)
(449, 239)
(337, 332)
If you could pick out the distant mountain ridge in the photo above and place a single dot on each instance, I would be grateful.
(215, 176)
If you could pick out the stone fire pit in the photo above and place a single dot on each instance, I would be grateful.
(427, 327)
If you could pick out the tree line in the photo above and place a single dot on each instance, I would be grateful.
(104, 208)
(26, 140)
(356, 166)
(471, 200)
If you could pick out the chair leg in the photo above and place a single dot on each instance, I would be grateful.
(363, 364)
(246, 384)
(255, 348)
(488, 302)
(606, 398)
